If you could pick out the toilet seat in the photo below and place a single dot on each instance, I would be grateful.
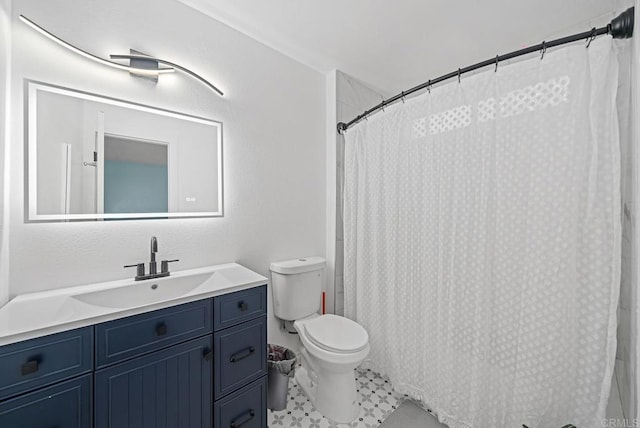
(336, 334)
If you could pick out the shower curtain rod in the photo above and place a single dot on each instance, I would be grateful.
(621, 27)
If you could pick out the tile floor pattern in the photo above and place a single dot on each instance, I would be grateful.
(377, 400)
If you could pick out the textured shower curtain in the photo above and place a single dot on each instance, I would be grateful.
(482, 241)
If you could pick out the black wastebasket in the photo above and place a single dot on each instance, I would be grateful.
(282, 365)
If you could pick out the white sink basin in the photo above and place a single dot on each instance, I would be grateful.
(48, 312)
(146, 292)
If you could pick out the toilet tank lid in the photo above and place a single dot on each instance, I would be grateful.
(304, 264)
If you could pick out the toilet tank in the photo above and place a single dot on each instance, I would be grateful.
(297, 287)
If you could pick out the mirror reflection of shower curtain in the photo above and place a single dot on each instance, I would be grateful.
(482, 241)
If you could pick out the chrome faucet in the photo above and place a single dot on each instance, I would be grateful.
(153, 265)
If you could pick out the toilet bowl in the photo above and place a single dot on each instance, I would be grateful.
(332, 346)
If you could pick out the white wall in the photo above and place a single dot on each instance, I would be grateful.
(5, 61)
(274, 137)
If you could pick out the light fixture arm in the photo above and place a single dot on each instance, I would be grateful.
(91, 56)
(170, 64)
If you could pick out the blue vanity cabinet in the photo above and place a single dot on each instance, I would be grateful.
(171, 388)
(240, 362)
(201, 364)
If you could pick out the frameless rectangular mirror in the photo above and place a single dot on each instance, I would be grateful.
(92, 157)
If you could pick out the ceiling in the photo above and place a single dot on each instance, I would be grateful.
(396, 44)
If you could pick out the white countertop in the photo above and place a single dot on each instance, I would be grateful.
(39, 314)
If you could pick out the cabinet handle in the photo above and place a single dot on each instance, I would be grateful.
(241, 355)
(243, 306)
(208, 354)
(242, 419)
(161, 329)
(30, 367)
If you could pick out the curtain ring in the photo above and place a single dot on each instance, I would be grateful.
(402, 96)
(459, 75)
(382, 105)
(429, 86)
(496, 70)
(591, 37)
(544, 49)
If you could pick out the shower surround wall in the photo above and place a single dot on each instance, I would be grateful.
(627, 369)
(273, 113)
(624, 369)
(352, 98)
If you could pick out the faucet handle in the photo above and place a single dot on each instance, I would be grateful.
(164, 265)
(139, 269)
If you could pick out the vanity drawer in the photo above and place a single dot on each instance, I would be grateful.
(240, 355)
(246, 408)
(129, 337)
(65, 405)
(234, 308)
(38, 362)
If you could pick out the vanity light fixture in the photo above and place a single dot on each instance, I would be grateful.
(137, 57)
(145, 65)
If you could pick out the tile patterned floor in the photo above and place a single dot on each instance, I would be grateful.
(377, 401)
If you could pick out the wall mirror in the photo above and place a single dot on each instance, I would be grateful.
(92, 157)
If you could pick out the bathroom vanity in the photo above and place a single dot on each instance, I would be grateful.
(193, 359)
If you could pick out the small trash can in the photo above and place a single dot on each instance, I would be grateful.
(282, 364)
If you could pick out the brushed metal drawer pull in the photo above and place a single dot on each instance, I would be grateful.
(30, 367)
(241, 355)
(243, 306)
(242, 419)
(161, 329)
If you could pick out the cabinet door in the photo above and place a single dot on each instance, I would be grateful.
(167, 389)
(65, 405)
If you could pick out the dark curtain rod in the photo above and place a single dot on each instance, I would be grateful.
(621, 27)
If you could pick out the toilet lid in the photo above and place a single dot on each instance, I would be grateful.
(336, 333)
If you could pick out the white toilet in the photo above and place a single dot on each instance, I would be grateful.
(332, 346)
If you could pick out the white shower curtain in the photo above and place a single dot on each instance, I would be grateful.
(482, 241)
